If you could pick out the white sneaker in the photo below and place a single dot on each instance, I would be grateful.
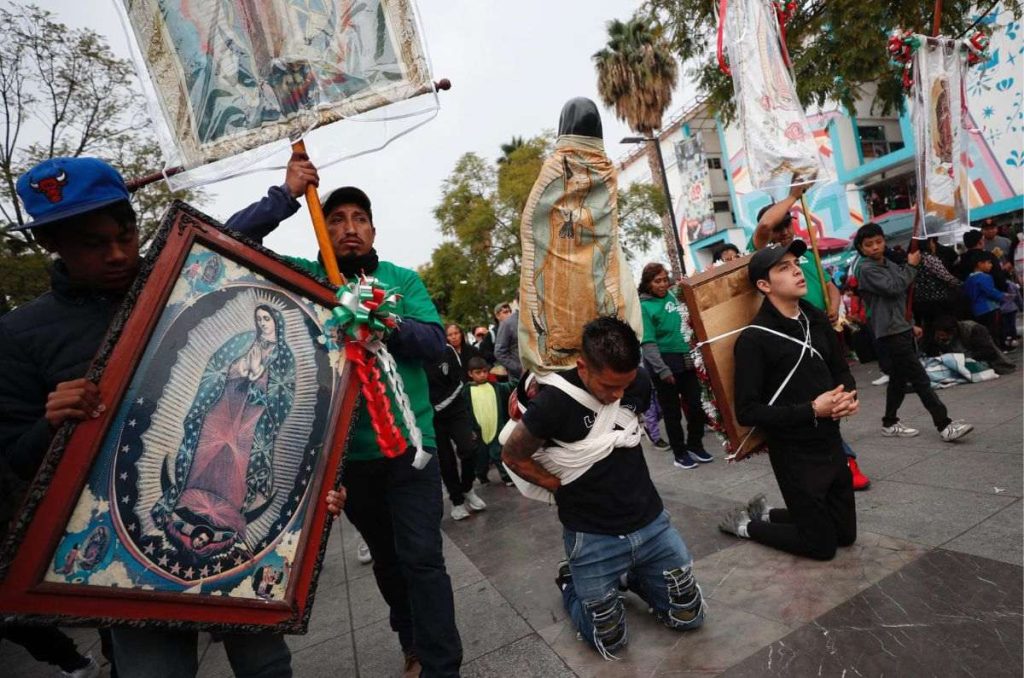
(955, 430)
(459, 512)
(90, 670)
(898, 430)
(474, 501)
(363, 553)
(881, 381)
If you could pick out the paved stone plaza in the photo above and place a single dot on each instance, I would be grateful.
(932, 586)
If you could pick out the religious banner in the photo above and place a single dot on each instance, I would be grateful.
(695, 210)
(226, 77)
(779, 143)
(573, 268)
(937, 110)
(197, 499)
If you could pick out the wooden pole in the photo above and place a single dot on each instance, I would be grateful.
(323, 238)
(817, 255)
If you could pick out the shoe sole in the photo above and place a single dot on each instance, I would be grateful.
(682, 466)
(901, 435)
(702, 461)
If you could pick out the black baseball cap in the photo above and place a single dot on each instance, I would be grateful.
(347, 195)
(765, 258)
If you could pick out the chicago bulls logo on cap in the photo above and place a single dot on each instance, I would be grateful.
(51, 187)
(61, 188)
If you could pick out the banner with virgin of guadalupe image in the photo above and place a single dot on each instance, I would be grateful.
(226, 77)
(695, 211)
(778, 140)
(937, 112)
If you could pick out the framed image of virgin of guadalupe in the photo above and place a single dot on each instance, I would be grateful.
(721, 300)
(197, 498)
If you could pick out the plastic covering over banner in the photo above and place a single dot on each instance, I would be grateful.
(695, 209)
(232, 82)
(937, 112)
(778, 140)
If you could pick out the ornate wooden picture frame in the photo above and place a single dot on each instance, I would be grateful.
(720, 300)
(196, 500)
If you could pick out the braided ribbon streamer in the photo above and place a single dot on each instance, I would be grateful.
(366, 315)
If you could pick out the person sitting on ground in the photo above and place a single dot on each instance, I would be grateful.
(883, 287)
(947, 335)
(490, 411)
(793, 383)
(615, 526)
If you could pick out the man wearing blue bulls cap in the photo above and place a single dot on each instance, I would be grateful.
(82, 214)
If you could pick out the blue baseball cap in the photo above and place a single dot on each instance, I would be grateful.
(60, 188)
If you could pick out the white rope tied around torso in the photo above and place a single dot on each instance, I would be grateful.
(569, 460)
(805, 346)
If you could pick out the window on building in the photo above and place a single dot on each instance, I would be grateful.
(714, 163)
(873, 143)
(721, 206)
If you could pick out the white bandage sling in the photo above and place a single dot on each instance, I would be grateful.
(569, 460)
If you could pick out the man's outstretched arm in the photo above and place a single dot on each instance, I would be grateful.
(517, 453)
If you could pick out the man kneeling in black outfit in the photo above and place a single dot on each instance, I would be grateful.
(793, 383)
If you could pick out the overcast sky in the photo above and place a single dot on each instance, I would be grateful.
(512, 66)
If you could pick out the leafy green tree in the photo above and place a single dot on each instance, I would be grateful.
(636, 75)
(838, 47)
(640, 209)
(64, 93)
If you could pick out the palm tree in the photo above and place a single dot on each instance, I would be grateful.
(507, 149)
(636, 74)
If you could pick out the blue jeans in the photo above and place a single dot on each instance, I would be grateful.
(397, 510)
(152, 653)
(658, 568)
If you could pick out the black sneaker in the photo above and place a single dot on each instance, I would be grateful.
(564, 577)
(685, 461)
(701, 455)
(660, 445)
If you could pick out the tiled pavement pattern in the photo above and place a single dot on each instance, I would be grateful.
(932, 586)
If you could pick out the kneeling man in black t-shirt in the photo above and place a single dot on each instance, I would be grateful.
(580, 439)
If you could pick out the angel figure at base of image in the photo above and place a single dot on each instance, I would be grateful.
(89, 556)
(265, 578)
(223, 471)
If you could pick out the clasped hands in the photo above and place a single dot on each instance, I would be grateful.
(836, 404)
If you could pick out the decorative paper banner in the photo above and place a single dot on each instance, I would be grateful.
(778, 141)
(228, 77)
(937, 112)
(695, 211)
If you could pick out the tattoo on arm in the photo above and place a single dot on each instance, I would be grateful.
(518, 452)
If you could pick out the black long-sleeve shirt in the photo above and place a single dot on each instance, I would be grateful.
(762, 362)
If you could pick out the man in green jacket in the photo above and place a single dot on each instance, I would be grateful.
(396, 508)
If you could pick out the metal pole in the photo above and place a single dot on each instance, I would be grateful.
(671, 210)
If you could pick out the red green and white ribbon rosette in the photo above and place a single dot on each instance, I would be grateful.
(365, 316)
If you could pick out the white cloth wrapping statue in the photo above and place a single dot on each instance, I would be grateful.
(937, 113)
(614, 426)
(778, 141)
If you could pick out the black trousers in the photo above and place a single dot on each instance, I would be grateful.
(46, 644)
(397, 510)
(820, 513)
(457, 444)
(688, 388)
(907, 368)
